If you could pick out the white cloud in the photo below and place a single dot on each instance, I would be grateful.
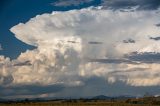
(62, 47)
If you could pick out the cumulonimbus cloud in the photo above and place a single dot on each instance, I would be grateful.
(63, 52)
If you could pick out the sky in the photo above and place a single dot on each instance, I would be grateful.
(79, 48)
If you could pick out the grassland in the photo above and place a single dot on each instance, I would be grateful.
(128, 102)
(77, 104)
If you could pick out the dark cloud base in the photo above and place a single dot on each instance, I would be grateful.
(93, 86)
(29, 90)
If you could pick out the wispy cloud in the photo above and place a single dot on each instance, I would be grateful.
(158, 25)
(128, 4)
(129, 41)
(155, 38)
(65, 3)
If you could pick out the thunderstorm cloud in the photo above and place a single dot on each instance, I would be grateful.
(78, 47)
(57, 61)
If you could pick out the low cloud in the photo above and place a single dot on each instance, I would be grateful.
(95, 42)
(129, 41)
(148, 57)
(22, 63)
(155, 38)
(114, 61)
(158, 25)
(27, 90)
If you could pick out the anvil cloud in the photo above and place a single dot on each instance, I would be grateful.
(66, 56)
(63, 49)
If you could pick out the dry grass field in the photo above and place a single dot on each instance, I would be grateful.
(76, 104)
(83, 103)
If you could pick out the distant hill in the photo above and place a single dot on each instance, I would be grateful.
(102, 97)
(124, 97)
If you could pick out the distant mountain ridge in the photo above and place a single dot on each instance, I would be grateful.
(99, 97)
(103, 97)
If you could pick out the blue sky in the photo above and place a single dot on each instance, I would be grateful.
(56, 48)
